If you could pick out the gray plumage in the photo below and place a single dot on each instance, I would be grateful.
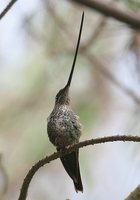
(63, 127)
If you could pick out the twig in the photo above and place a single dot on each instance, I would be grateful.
(54, 156)
(135, 195)
(7, 8)
(111, 11)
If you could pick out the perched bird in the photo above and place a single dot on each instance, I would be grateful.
(64, 128)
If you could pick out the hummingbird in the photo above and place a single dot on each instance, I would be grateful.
(64, 128)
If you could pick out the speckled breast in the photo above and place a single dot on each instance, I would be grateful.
(63, 127)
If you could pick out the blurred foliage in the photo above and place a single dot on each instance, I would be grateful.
(133, 4)
(88, 113)
(36, 49)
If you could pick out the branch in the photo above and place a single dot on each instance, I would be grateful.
(54, 156)
(111, 11)
(135, 195)
(7, 8)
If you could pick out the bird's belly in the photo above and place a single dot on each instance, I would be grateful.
(62, 133)
(65, 140)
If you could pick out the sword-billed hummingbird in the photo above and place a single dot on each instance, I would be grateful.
(64, 128)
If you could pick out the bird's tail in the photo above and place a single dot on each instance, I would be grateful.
(71, 165)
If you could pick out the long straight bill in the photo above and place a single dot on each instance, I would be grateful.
(76, 52)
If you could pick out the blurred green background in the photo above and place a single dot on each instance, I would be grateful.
(37, 45)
